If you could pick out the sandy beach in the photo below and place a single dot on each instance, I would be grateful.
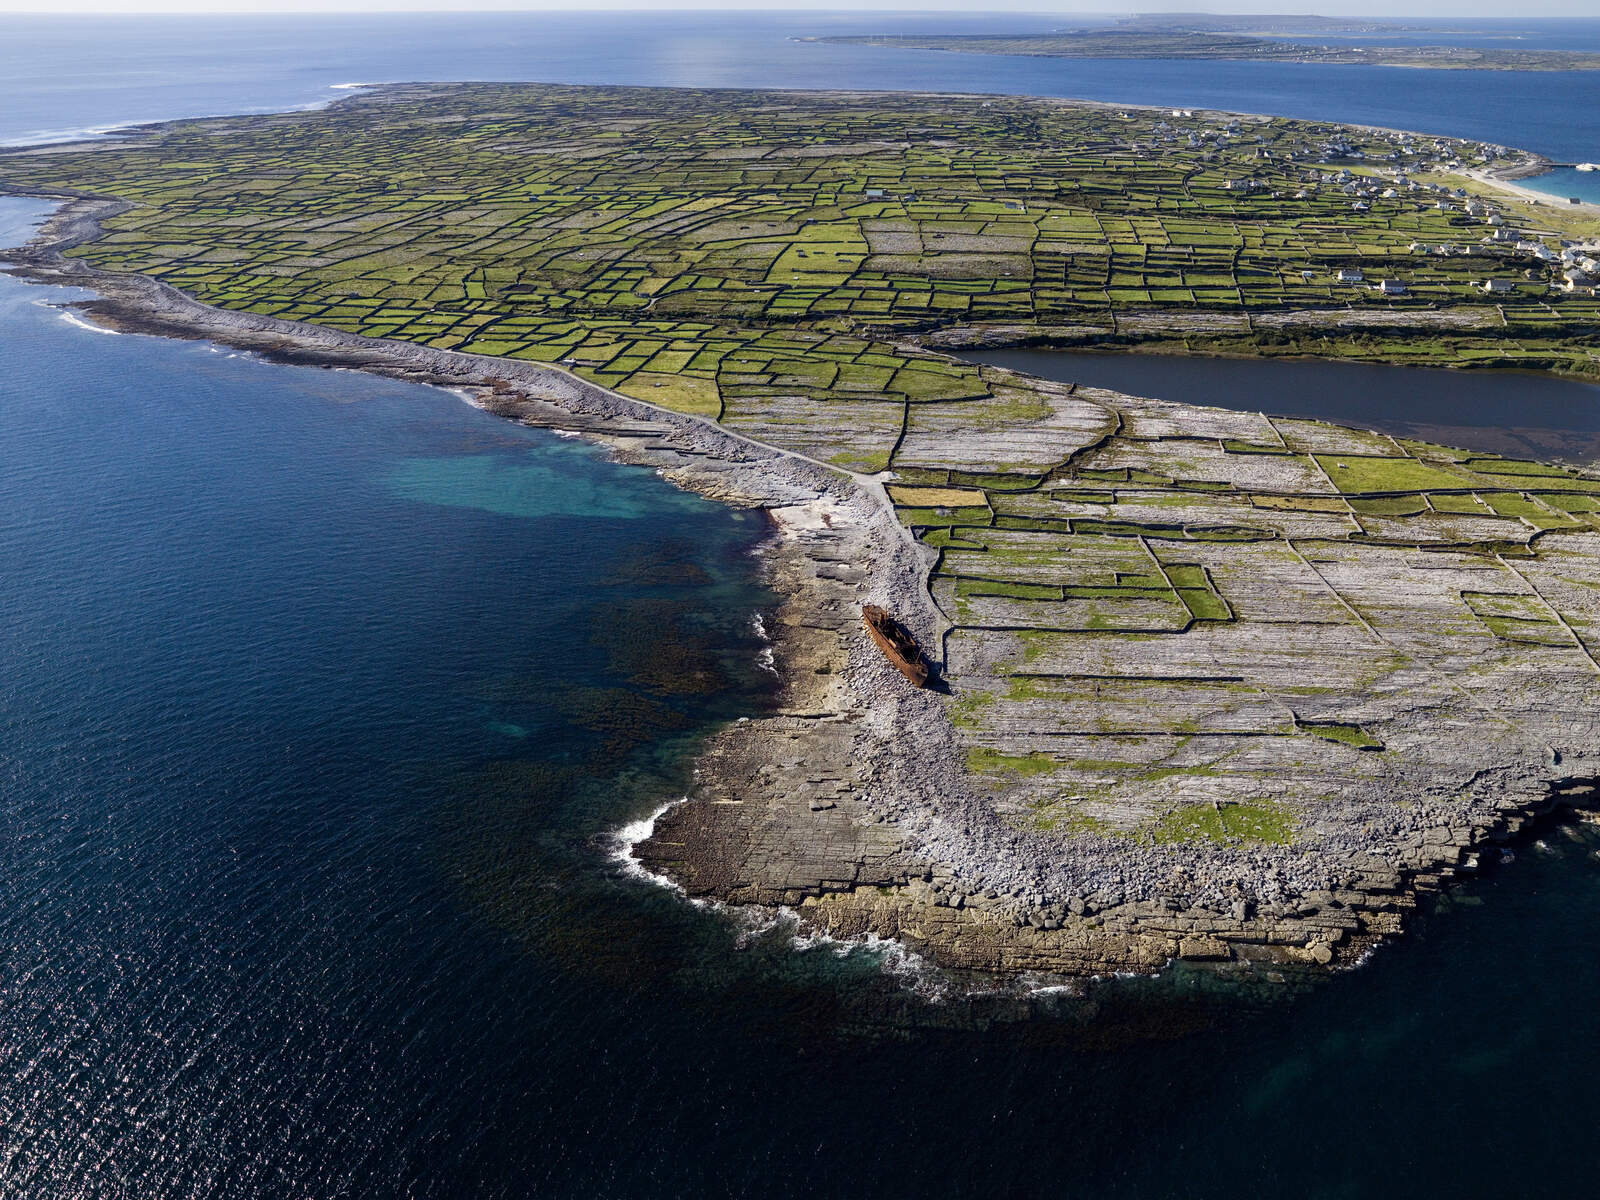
(1505, 184)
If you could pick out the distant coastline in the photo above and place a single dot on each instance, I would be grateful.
(1180, 43)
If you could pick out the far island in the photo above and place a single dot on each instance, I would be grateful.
(1240, 39)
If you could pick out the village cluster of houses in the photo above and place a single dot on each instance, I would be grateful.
(1578, 270)
(1364, 189)
(1215, 134)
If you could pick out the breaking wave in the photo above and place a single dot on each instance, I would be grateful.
(764, 657)
(74, 319)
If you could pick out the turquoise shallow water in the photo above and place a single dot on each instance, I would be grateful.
(1568, 183)
(540, 482)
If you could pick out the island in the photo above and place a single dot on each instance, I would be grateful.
(1237, 39)
(1206, 685)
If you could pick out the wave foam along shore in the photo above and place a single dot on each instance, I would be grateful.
(627, 839)
(920, 976)
(77, 321)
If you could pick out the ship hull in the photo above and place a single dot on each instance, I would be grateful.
(896, 645)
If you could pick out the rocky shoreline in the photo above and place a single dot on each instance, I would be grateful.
(849, 803)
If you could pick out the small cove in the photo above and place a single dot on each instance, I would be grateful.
(1566, 183)
(1499, 412)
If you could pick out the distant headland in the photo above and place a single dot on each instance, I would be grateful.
(1241, 38)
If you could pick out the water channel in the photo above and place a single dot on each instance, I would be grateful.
(1514, 413)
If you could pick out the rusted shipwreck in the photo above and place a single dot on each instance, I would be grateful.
(898, 646)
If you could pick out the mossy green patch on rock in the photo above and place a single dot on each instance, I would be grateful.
(1225, 823)
(1343, 733)
(984, 761)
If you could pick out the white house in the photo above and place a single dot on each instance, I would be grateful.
(1346, 275)
(1392, 287)
(1498, 287)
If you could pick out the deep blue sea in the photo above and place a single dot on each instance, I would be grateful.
(320, 695)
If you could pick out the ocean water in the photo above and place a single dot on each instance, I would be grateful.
(321, 695)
